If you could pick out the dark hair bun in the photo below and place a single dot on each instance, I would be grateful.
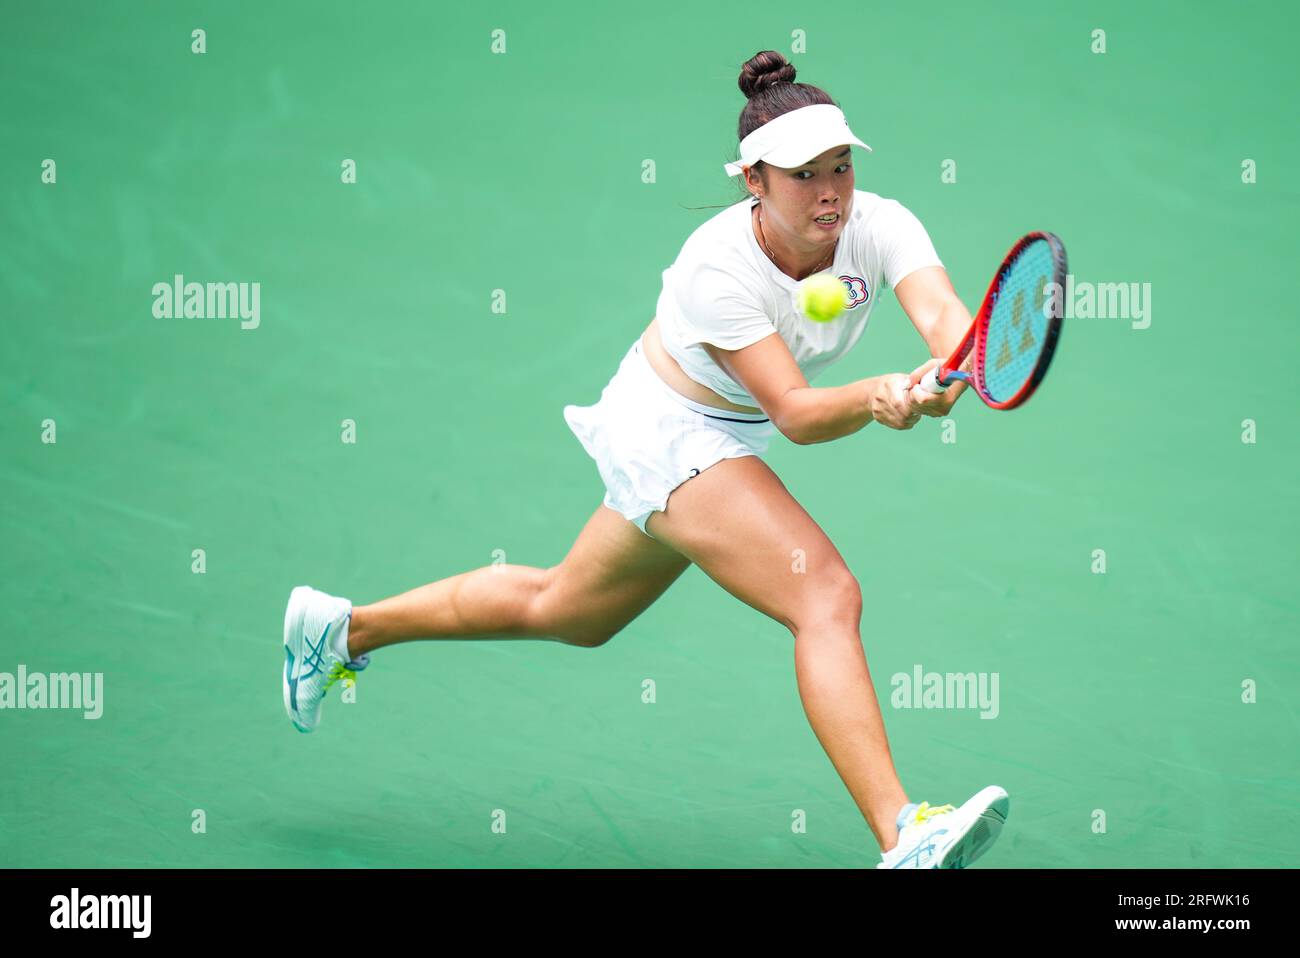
(762, 70)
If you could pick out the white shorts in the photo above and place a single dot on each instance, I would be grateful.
(647, 439)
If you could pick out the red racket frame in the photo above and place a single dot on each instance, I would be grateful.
(977, 335)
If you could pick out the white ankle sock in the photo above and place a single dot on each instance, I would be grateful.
(340, 641)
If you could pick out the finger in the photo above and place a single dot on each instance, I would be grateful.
(919, 373)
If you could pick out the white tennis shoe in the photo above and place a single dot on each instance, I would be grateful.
(312, 621)
(948, 837)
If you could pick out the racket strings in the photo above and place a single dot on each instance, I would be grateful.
(1017, 326)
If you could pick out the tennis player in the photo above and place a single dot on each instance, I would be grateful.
(678, 436)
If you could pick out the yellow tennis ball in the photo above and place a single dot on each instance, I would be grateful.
(822, 297)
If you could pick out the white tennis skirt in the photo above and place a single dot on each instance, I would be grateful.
(647, 439)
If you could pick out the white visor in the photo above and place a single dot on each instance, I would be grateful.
(794, 138)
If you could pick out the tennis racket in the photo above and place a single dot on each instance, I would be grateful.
(1016, 329)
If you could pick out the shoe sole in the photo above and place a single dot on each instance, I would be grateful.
(293, 617)
(988, 811)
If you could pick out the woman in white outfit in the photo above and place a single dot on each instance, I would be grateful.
(678, 436)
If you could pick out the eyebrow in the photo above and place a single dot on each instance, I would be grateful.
(839, 156)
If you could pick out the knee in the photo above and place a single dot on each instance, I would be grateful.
(835, 603)
(589, 640)
(553, 613)
(584, 633)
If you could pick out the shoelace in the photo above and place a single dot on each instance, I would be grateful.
(924, 812)
(340, 672)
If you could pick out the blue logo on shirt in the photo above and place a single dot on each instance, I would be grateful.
(858, 292)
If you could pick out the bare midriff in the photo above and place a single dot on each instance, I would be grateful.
(671, 373)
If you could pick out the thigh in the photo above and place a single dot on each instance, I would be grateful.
(737, 521)
(612, 573)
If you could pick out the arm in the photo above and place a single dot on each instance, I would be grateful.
(928, 299)
(804, 414)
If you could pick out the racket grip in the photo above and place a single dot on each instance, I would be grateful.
(930, 382)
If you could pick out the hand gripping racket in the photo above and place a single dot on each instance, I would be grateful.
(1015, 332)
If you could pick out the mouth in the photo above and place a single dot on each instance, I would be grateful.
(827, 220)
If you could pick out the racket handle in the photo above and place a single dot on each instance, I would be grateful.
(930, 382)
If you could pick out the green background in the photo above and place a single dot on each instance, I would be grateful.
(522, 172)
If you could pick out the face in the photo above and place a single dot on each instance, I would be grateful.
(793, 198)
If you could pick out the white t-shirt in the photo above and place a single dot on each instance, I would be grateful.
(724, 290)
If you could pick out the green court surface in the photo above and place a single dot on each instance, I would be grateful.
(1157, 697)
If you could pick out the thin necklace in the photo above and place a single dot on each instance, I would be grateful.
(826, 262)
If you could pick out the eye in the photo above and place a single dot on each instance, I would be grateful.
(843, 167)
